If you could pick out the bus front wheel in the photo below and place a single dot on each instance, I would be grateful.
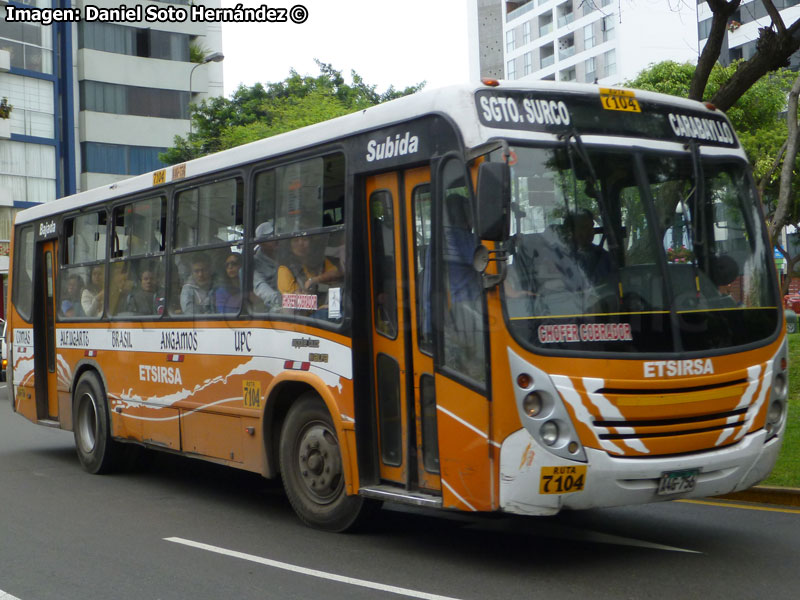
(91, 425)
(312, 469)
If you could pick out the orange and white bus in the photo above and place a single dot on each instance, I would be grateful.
(510, 297)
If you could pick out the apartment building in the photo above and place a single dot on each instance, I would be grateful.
(93, 102)
(742, 31)
(595, 41)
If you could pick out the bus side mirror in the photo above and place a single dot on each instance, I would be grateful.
(494, 199)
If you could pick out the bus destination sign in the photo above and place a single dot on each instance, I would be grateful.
(612, 112)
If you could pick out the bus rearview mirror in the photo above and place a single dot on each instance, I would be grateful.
(494, 198)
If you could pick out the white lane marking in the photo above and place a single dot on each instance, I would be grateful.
(6, 596)
(311, 572)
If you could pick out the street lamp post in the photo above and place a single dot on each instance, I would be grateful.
(213, 57)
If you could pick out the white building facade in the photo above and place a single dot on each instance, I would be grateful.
(742, 30)
(602, 41)
(133, 91)
(93, 102)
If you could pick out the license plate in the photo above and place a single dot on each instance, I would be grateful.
(562, 480)
(677, 482)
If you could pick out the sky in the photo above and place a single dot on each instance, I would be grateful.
(387, 42)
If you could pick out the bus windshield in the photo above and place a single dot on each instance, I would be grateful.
(627, 252)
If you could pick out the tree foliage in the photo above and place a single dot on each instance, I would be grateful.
(758, 116)
(259, 111)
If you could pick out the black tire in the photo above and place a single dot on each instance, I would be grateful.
(312, 471)
(91, 426)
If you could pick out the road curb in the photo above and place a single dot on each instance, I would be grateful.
(767, 494)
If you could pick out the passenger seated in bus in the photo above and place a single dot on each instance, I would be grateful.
(71, 296)
(304, 274)
(265, 270)
(197, 294)
(121, 284)
(145, 299)
(228, 296)
(93, 294)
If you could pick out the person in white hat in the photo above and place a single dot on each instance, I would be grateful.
(265, 268)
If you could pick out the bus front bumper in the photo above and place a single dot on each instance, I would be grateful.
(611, 481)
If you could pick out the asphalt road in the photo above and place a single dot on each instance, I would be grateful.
(180, 528)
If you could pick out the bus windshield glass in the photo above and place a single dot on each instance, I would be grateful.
(636, 252)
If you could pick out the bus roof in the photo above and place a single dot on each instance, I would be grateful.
(456, 102)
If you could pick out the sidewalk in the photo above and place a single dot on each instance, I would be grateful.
(767, 494)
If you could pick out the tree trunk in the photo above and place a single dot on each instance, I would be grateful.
(787, 170)
(722, 12)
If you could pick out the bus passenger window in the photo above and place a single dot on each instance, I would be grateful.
(265, 296)
(69, 305)
(309, 282)
(210, 214)
(146, 297)
(228, 294)
(82, 277)
(384, 289)
(423, 264)
(302, 275)
(197, 294)
(93, 294)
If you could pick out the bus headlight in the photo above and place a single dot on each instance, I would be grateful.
(533, 404)
(549, 433)
(543, 411)
(780, 386)
(775, 416)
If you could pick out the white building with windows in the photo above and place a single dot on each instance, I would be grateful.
(94, 102)
(603, 41)
(742, 31)
(133, 90)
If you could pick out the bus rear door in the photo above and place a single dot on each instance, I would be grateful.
(44, 332)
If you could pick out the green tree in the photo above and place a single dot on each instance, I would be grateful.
(259, 111)
(758, 116)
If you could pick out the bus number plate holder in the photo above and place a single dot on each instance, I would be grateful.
(562, 480)
(677, 482)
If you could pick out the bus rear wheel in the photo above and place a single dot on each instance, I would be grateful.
(91, 426)
(312, 469)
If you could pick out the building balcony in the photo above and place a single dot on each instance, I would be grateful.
(566, 52)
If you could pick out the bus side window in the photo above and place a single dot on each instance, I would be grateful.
(302, 275)
(82, 277)
(462, 293)
(23, 272)
(209, 228)
(137, 278)
(423, 264)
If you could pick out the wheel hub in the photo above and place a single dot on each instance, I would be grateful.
(320, 463)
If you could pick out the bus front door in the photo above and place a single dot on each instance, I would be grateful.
(402, 366)
(44, 333)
